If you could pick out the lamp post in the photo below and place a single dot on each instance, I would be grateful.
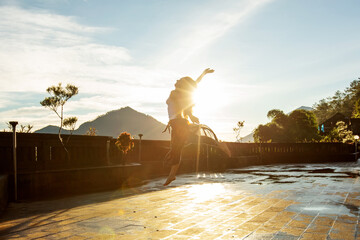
(13, 124)
(356, 137)
(140, 136)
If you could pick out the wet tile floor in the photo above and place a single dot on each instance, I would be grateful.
(312, 201)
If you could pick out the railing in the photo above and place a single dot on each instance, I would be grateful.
(43, 152)
(248, 149)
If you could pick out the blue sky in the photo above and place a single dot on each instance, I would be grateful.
(266, 54)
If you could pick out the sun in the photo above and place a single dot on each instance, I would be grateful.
(209, 98)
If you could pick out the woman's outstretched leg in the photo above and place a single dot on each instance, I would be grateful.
(172, 174)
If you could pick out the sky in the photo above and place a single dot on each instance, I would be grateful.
(267, 54)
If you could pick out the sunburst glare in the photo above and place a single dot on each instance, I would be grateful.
(209, 97)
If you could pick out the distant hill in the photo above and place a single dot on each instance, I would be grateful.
(305, 108)
(115, 122)
(250, 137)
(51, 129)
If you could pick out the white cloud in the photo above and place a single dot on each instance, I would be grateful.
(46, 23)
(36, 116)
(199, 35)
(39, 49)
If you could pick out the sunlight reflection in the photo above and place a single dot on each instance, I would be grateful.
(209, 175)
(205, 192)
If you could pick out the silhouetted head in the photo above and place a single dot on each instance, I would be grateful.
(186, 83)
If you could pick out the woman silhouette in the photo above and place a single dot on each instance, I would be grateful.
(180, 104)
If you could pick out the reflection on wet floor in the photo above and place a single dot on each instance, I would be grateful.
(328, 191)
(308, 201)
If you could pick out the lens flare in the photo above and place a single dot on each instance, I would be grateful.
(208, 98)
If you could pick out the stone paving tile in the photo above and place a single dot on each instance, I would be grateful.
(285, 202)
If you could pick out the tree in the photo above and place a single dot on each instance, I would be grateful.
(9, 126)
(339, 134)
(267, 133)
(22, 128)
(303, 126)
(58, 98)
(298, 126)
(323, 110)
(276, 130)
(352, 95)
(356, 110)
(332, 136)
(25, 129)
(341, 102)
(345, 135)
(237, 129)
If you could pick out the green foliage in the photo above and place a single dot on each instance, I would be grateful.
(356, 111)
(298, 126)
(268, 133)
(275, 114)
(303, 126)
(59, 96)
(345, 134)
(339, 134)
(346, 102)
(70, 123)
(332, 136)
(237, 129)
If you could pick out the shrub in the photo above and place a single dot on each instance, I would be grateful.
(124, 142)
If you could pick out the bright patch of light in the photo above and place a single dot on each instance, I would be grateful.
(209, 97)
(315, 208)
(205, 192)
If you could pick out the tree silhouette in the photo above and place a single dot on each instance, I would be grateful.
(346, 102)
(298, 126)
(59, 95)
(25, 129)
(237, 129)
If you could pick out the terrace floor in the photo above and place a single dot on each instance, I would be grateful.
(311, 201)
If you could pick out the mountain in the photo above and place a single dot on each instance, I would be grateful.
(305, 108)
(248, 138)
(52, 129)
(115, 122)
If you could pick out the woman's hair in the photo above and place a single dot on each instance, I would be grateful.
(186, 83)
